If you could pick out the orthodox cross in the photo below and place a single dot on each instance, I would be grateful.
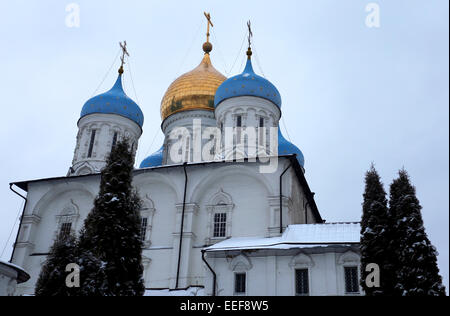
(209, 23)
(250, 33)
(123, 46)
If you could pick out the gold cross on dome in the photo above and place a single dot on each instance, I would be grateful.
(123, 46)
(209, 23)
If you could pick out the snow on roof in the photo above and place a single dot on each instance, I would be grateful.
(192, 291)
(22, 275)
(297, 236)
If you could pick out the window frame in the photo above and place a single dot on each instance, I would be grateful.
(143, 229)
(356, 280)
(308, 285)
(222, 225)
(236, 274)
(91, 143)
(65, 229)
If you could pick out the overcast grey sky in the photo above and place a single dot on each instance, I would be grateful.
(351, 94)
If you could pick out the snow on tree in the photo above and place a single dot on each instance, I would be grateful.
(110, 246)
(52, 279)
(375, 235)
(417, 272)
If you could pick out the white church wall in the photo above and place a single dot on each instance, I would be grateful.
(105, 125)
(43, 215)
(248, 193)
(274, 275)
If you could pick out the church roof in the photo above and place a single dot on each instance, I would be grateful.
(248, 83)
(22, 275)
(194, 90)
(285, 147)
(154, 160)
(297, 236)
(114, 101)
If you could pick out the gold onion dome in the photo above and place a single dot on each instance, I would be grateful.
(194, 90)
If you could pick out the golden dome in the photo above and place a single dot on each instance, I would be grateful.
(194, 90)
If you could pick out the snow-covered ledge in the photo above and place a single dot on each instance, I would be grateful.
(10, 276)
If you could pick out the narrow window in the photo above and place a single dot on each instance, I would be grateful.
(261, 131)
(65, 230)
(238, 127)
(220, 225)
(114, 141)
(143, 228)
(239, 283)
(351, 280)
(239, 121)
(91, 144)
(212, 151)
(301, 282)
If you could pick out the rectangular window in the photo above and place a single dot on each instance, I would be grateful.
(114, 141)
(261, 131)
(65, 230)
(238, 129)
(220, 225)
(91, 144)
(301, 282)
(143, 228)
(239, 121)
(239, 283)
(351, 280)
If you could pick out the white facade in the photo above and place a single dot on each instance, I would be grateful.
(91, 150)
(322, 251)
(250, 199)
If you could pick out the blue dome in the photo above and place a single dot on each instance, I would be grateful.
(114, 101)
(247, 84)
(154, 160)
(285, 147)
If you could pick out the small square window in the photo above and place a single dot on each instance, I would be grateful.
(239, 283)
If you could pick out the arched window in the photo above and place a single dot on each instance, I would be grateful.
(147, 212)
(348, 273)
(67, 219)
(219, 211)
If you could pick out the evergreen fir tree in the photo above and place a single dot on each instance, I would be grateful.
(417, 272)
(110, 246)
(375, 233)
(52, 279)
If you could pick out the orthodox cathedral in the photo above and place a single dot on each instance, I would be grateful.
(216, 219)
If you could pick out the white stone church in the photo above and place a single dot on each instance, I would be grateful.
(214, 224)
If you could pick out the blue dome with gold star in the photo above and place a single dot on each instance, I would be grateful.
(114, 101)
(285, 147)
(154, 160)
(247, 84)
